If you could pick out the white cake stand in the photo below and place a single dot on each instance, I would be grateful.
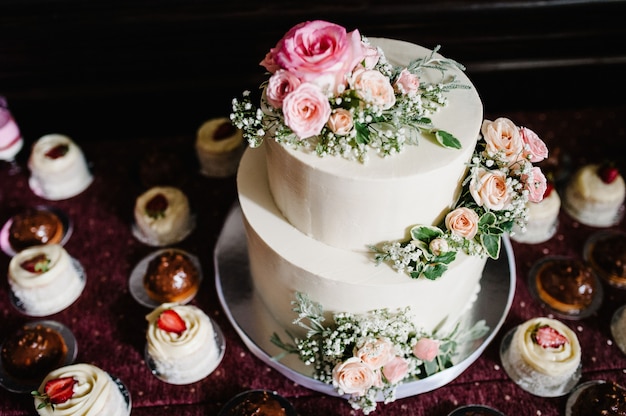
(242, 306)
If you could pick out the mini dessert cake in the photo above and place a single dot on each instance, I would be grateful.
(181, 343)
(595, 195)
(81, 390)
(162, 216)
(44, 280)
(258, 402)
(11, 141)
(542, 219)
(543, 357)
(606, 253)
(35, 226)
(58, 168)
(171, 276)
(599, 398)
(566, 285)
(219, 146)
(32, 352)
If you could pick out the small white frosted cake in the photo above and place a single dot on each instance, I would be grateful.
(595, 195)
(219, 146)
(44, 279)
(11, 141)
(162, 216)
(543, 356)
(542, 220)
(58, 168)
(181, 343)
(81, 390)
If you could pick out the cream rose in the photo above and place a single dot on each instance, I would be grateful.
(426, 349)
(407, 83)
(374, 88)
(503, 138)
(396, 369)
(376, 353)
(306, 110)
(279, 85)
(462, 222)
(536, 184)
(354, 377)
(438, 246)
(489, 189)
(534, 148)
(340, 122)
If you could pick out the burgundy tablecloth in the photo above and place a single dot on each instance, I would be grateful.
(109, 324)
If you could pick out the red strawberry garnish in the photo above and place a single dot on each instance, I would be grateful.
(58, 151)
(549, 189)
(608, 173)
(547, 337)
(223, 131)
(170, 321)
(38, 264)
(156, 206)
(58, 390)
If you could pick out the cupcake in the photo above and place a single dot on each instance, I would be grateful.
(11, 141)
(81, 390)
(219, 146)
(542, 219)
(597, 398)
(171, 276)
(258, 402)
(595, 195)
(605, 251)
(35, 226)
(183, 345)
(542, 356)
(162, 216)
(44, 280)
(58, 168)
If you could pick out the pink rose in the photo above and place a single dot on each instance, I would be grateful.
(306, 110)
(374, 88)
(407, 83)
(426, 349)
(535, 149)
(269, 63)
(438, 246)
(279, 85)
(341, 122)
(396, 369)
(503, 138)
(319, 52)
(376, 353)
(354, 377)
(536, 184)
(488, 188)
(372, 55)
(462, 222)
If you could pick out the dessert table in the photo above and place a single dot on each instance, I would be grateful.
(110, 325)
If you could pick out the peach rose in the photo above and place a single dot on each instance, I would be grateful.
(503, 137)
(319, 52)
(374, 88)
(279, 85)
(306, 110)
(396, 369)
(438, 246)
(340, 122)
(462, 222)
(407, 83)
(534, 148)
(269, 63)
(426, 349)
(536, 184)
(488, 188)
(376, 353)
(354, 377)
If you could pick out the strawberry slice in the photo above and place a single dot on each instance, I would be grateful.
(170, 321)
(155, 207)
(58, 151)
(58, 390)
(547, 337)
(223, 131)
(608, 173)
(549, 189)
(38, 264)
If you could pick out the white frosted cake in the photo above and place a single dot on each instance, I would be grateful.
(81, 390)
(44, 279)
(370, 200)
(181, 343)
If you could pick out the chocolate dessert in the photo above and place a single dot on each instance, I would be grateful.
(566, 285)
(607, 255)
(33, 351)
(260, 403)
(606, 399)
(34, 227)
(171, 277)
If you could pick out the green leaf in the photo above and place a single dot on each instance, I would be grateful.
(446, 258)
(362, 133)
(487, 219)
(434, 271)
(447, 140)
(431, 367)
(425, 232)
(491, 242)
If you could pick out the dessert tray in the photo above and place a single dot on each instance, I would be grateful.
(242, 307)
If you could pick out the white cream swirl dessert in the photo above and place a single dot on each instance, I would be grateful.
(81, 390)
(44, 280)
(181, 343)
(162, 215)
(544, 355)
(542, 220)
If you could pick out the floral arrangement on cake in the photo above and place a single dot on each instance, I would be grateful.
(364, 356)
(500, 182)
(334, 92)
